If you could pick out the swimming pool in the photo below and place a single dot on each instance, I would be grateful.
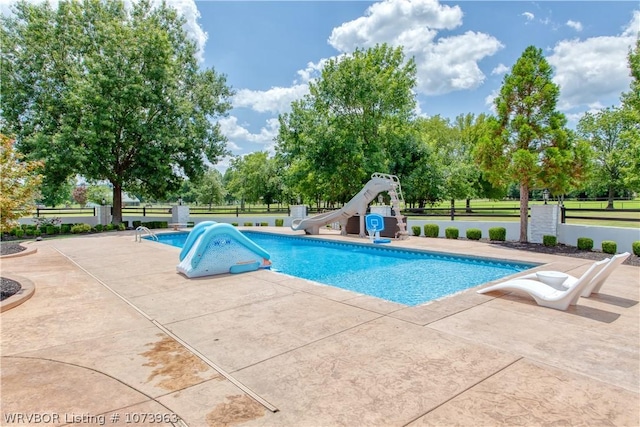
(405, 276)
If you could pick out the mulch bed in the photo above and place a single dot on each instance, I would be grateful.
(564, 250)
(8, 288)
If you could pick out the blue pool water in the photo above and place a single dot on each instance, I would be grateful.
(404, 276)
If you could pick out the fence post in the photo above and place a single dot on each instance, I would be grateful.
(563, 217)
(237, 212)
(453, 213)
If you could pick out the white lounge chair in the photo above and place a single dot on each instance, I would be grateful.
(546, 295)
(596, 283)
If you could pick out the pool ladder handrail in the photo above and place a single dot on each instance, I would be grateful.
(140, 229)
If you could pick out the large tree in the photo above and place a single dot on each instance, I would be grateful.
(339, 134)
(254, 178)
(528, 142)
(112, 93)
(610, 134)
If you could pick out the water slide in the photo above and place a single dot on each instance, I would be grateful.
(356, 206)
(213, 248)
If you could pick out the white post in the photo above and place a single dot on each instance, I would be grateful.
(543, 222)
(180, 214)
(103, 212)
(298, 211)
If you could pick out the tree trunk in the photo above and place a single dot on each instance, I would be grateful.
(524, 212)
(117, 204)
(468, 206)
(610, 198)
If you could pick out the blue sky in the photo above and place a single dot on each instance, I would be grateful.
(269, 51)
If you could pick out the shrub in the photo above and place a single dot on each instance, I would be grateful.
(122, 226)
(19, 233)
(585, 243)
(264, 224)
(65, 228)
(80, 228)
(190, 224)
(474, 234)
(431, 230)
(451, 233)
(279, 222)
(609, 247)
(416, 230)
(498, 234)
(98, 227)
(235, 224)
(549, 240)
(162, 224)
(248, 224)
(635, 246)
(50, 229)
(109, 227)
(137, 224)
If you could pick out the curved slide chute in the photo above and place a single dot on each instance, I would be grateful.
(356, 206)
(215, 248)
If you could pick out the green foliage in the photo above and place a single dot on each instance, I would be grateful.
(137, 224)
(343, 130)
(111, 93)
(98, 227)
(209, 189)
(122, 226)
(609, 247)
(585, 243)
(235, 224)
(549, 240)
(431, 230)
(254, 178)
(80, 228)
(65, 228)
(527, 141)
(498, 234)
(18, 184)
(451, 233)
(474, 233)
(279, 222)
(613, 135)
(110, 227)
(50, 229)
(415, 229)
(264, 224)
(635, 246)
(19, 233)
(248, 224)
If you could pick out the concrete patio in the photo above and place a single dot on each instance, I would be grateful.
(113, 335)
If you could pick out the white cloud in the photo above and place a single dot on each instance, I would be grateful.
(633, 29)
(488, 100)
(452, 63)
(275, 100)
(444, 64)
(387, 20)
(576, 25)
(235, 132)
(500, 69)
(530, 16)
(593, 69)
